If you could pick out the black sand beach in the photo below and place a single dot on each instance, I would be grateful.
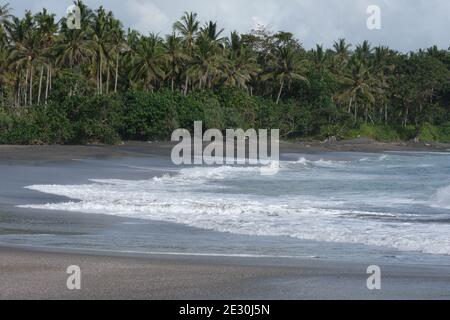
(134, 148)
(32, 274)
(40, 273)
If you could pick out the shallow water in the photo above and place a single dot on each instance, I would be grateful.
(331, 205)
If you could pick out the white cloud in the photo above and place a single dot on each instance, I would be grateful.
(146, 16)
(406, 25)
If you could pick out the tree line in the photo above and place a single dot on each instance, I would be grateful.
(343, 91)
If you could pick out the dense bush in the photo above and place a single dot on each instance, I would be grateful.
(138, 115)
(430, 133)
(380, 133)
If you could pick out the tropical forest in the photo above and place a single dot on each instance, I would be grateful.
(106, 83)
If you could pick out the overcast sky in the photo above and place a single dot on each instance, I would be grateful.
(406, 24)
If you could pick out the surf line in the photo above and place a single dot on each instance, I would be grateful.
(187, 152)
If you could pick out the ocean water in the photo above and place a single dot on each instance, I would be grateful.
(398, 202)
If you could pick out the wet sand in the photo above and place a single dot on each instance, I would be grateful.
(31, 274)
(134, 148)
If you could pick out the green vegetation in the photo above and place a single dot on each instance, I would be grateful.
(102, 83)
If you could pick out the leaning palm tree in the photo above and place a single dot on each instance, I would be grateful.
(285, 66)
(360, 87)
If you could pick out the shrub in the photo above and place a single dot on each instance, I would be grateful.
(428, 133)
(379, 133)
(148, 115)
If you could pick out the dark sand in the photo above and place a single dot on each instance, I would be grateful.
(41, 274)
(29, 274)
(132, 148)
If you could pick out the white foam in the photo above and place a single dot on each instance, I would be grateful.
(191, 198)
(442, 198)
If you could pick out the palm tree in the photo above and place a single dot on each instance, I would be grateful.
(47, 28)
(119, 45)
(26, 50)
(360, 87)
(205, 63)
(188, 27)
(5, 15)
(175, 57)
(383, 69)
(148, 58)
(285, 66)
(319, 58)
(101, 44)
(211, 32)
(241, 66)
(341, 51)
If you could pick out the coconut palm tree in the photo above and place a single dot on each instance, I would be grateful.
(360, 87)
(285, 67)
(205, 63)
(26, 50)
(211, 32)
(47, 27)
(175, 57)
(5, 15)
(241, 65)
(101, 44)
(188, 27)
(119, 44)
(147, 61)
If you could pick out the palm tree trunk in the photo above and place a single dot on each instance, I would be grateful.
(97, 79)
(107, 81)
(172, 84)
(280, 92)
(47, 84)
(25, 89)
(405, 121)
(186, 86)
(18, 94)
(100, 75)
(40, 84)
(385, 113)
(31, 85)
(117, 72)
(366, 113)
(51, 80)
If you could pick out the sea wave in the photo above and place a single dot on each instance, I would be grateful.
(176, 198)
(442, 198)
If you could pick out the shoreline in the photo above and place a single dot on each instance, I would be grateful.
(40, 272)
(137, 148)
